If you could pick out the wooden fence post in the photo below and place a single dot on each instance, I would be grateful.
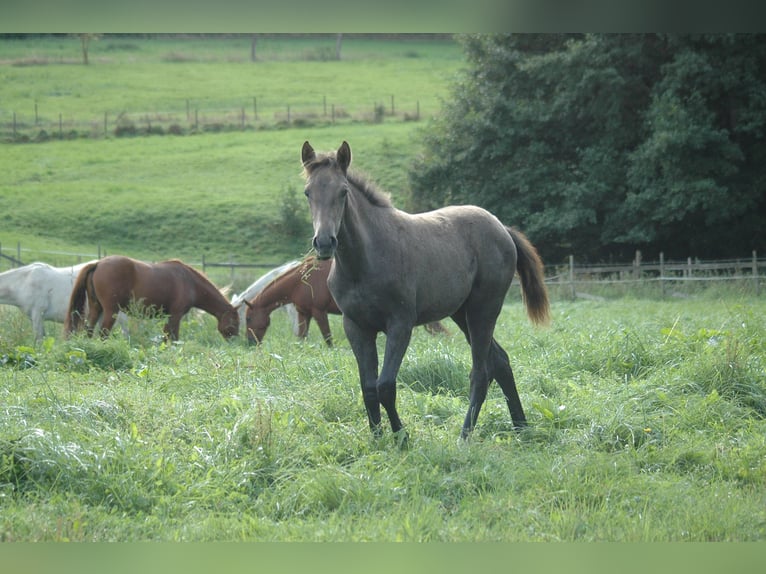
(755, 273)
(637, 265)
(571, 278)
(662, 274)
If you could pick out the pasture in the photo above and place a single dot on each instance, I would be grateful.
(647, 418)
(646, 424)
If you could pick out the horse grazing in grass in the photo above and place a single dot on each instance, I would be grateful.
(305, 286)
(240, 300)
(39, 290)
(393, 270)
(169, 287)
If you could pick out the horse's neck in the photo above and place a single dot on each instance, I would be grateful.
(207, 296)
(277, 293)
(12, 285)
(7, 292)
(364, 234)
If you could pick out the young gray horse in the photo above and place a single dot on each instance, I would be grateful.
(394, 270)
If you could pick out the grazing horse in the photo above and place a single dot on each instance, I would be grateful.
(305, 287)
(240, 300)
(170, 287)
(41, 291)
(393, 270)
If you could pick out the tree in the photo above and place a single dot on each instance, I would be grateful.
(85, 40)
(601, 144)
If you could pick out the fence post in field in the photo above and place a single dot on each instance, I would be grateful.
(203, 263)
(571, 278)
(689, 267)
(755, 273)
(637, 265)
(662, 274)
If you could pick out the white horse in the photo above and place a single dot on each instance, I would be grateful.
(41, 291)
(247, 295)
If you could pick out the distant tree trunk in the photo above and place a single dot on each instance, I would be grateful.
(252, 47)
(338, 41)
(85, 45)
(84, 41)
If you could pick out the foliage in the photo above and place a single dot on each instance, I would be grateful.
(601, 144)
(646, 424)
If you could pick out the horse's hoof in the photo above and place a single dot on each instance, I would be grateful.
(402, 438)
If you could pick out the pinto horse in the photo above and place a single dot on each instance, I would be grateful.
(240, 299)
(305, 286)
(170, 287)
(393, 270)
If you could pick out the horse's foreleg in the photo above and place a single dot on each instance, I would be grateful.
(172, 327)
(397, 341)
(324, 326)
(304, 320)
(500, 367)
(366, 354)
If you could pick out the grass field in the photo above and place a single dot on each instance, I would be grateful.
(647, 424)
(646, 416)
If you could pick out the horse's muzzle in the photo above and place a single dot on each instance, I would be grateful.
(325, 246)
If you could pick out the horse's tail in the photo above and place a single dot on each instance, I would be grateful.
(76, 309)
(530, 269)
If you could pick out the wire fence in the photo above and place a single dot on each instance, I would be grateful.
(192, 117)
(568, 280)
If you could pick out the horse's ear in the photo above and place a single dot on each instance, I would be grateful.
(307, 153)
(344, 156)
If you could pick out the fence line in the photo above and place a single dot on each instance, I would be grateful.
(193, 117)
(567, 276)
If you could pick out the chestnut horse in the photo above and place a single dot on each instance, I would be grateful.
(169, 287)
(393, 270)
(304, 286)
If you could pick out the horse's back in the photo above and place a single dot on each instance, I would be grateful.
(433, 262)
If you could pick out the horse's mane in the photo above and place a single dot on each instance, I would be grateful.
(360, 181)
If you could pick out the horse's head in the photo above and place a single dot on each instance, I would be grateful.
(228, 323)
(326, 190)
(257, 320)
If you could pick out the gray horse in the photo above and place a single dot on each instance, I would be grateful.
(394, 270)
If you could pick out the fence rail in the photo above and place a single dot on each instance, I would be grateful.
(568, 277)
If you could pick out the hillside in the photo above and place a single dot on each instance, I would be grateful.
(220, 190)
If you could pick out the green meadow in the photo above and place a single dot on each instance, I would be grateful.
(646, 424)
(647, 416)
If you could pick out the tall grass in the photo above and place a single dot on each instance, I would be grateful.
(647, 424)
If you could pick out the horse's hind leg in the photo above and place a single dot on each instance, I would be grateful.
(500, 370)
(479, 338)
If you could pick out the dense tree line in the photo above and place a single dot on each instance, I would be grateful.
(598, 145)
